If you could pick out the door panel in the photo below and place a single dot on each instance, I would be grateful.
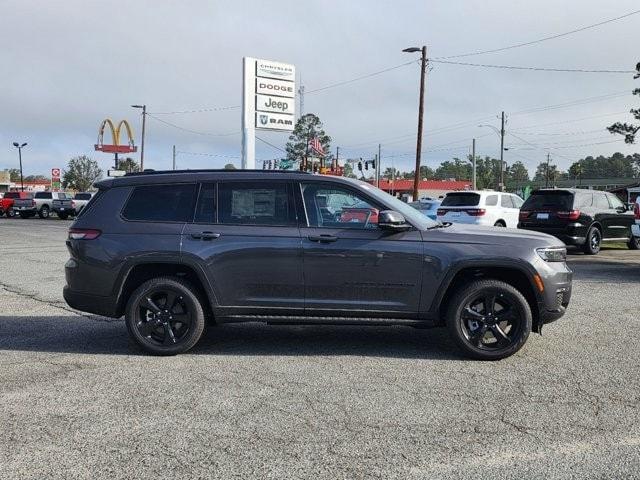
(249, 244)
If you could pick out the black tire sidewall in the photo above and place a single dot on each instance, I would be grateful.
(587, 246)
(634, 243)
(44, 212)
(197, 327)
(465, 295)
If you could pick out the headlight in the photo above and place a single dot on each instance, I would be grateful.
(552, 254)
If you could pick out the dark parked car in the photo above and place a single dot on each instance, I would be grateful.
(584, 218)
(173, 250)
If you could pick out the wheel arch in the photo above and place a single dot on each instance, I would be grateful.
(139, 272)
(514, 273)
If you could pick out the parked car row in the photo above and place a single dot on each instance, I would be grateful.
(30, 204)
(578, 217)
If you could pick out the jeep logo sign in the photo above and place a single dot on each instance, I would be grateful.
(274, 121)
(266, 86)
(268, 103)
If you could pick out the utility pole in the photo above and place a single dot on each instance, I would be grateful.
(335, 162)
(174, 157)
(502, 155)
(546, 183)
(473, 164)
(416, 178)
(378, 165)
(144, 122)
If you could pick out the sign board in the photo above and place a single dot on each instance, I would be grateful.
(274, 121)
(55, 179)
(116, 173)
(268, 101)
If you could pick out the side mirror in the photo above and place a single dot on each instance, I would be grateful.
(391, 220)
(622, 209)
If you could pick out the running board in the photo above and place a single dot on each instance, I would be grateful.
(315, 320)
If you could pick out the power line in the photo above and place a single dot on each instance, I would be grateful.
(544, 39)
(212, 109)
(538, 69)
(356, 79)
(192, 131)
(270, 144)
(573, 103)
(571, 121)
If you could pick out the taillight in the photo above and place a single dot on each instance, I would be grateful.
(523, 215)
(476, 212)
(441, 212)
(33, 203)
(570, 215)
(73, 204)
(636, 211)
(83, 234)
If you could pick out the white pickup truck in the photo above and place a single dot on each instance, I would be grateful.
(80, 201)
(42, 204)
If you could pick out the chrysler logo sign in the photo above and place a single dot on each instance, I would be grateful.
(282, 71)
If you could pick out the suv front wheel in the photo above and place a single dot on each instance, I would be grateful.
(164, 316)
(489, 319)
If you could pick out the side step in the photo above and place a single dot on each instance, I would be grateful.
(315, 320)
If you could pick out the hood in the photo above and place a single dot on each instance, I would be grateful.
(495, 236)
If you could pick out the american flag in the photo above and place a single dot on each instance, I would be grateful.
(315, 145)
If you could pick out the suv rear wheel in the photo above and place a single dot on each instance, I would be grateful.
(592, 244)
(164, 316)
(489, 319)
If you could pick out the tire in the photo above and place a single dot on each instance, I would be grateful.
(63, 216)
(11, 213)
(593, 241)
(479, 331)
(634, 243)
(154, 327)
(24, 215)
(44, 212)
(500, 223)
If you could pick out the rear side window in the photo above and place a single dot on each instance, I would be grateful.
(549, 200)
(255, 203)
(491, 201)
(161, 203)
(600, 201)
(584, 200)
(461, 199)
(505, 201)
(45, 195)
(82, 196)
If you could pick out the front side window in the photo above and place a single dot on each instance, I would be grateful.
(161, 203)
(615, 202)
(43, 195)
(332, 206)
(206, 206)
(517, 201)
(255, 203)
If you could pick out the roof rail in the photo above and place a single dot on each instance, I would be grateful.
(209, 170)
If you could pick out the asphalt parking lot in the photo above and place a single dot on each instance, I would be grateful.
(251, 401)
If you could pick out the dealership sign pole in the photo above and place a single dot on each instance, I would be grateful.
(268, 102)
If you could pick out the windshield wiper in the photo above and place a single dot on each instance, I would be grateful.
(440, 225)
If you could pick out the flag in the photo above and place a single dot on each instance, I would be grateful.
(316, 146)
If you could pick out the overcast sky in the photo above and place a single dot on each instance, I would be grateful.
(69, 64)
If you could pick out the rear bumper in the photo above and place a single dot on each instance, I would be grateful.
(570, 235)
(105, 306)
(25, 210)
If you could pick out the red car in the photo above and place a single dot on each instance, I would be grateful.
(359, 213)
(6, 202)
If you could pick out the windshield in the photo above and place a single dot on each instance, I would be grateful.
(461, 199)
(411, 214)
(83, 196)
(12, 195)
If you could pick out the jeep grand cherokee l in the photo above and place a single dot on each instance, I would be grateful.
(170, 251)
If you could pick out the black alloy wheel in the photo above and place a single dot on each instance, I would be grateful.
(592, 243)
(489, 319)
(165, 316)
(11, 213)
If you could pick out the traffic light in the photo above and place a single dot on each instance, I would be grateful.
(360, 166)
(275, 164)
(264, 165)
(373, 164)
(366, 165)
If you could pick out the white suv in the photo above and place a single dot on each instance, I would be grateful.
(481, 207)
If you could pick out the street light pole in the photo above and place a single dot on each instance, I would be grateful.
(416, 178)
(502, 155)
(144, 118)
(20, 147)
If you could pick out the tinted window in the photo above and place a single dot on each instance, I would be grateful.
(255, 203)
(461, 199)
(505, 201)
(45, 195)
(161, 203)
(491, 200)
(600, 201)
(83, 196)
(12, 195)
(549, 200)
(63, 196)
(337, 207)
(206, 206)
(91, 203)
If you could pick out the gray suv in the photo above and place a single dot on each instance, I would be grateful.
(174, 251)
